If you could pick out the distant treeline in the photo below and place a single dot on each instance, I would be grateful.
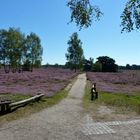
(130, 67)
(53, 66)
(103, 64)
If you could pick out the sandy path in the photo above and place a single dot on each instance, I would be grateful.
(68, 121)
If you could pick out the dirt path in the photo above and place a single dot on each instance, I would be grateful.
(68, 121)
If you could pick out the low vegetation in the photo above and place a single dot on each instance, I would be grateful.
(127, 81)
(119, 104)
(47, 101)
(48, 81)
(31, 108)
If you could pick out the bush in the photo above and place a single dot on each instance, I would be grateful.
(97, 67)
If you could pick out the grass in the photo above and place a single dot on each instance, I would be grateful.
(16, 97)
(121, 102)
(33, 107)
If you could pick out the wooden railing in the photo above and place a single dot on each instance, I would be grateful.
(94, 93)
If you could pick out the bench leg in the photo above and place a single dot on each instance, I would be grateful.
(8, 109)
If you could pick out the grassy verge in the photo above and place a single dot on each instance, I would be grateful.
(121, 103)
(35, 106)
(16, 97)
(32, 107)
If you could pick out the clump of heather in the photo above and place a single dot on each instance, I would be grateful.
(125, 81)
(48, 81)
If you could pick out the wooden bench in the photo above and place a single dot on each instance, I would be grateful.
(26, 101)
(6, 104)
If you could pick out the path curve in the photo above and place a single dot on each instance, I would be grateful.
(68, 121)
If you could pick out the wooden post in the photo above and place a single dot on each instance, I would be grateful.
(94, 93)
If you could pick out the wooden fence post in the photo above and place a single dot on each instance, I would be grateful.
(94, 93)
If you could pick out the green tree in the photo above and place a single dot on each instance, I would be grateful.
(97, 67)
(88, 64)
(82, 12)
(75, 52)
(3, 46)
(32, 50)
(131, 16)
(128, 67)
(108, 64)
(14, 47)
(10, 48)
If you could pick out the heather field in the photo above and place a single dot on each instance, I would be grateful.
(122, 82)
(48, 81)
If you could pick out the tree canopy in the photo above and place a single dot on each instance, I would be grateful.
(131, 16)
(108, 64)
(88, 64)
(16, 49)
(83, 12)
(75, 52)
(32, 50)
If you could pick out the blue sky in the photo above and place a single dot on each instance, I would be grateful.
(49, 18)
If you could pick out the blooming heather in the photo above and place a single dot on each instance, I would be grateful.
(124, 82)
(48, 81)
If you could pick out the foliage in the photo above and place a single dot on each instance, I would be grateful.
(14, 43)
(33, 50)
(17, 50)
(97, 67)
(88, 64)
(82, 12)
(4, 51)
(108, 64)
(55, 66)
(75, 52)
(130, 67)
(131, 16)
